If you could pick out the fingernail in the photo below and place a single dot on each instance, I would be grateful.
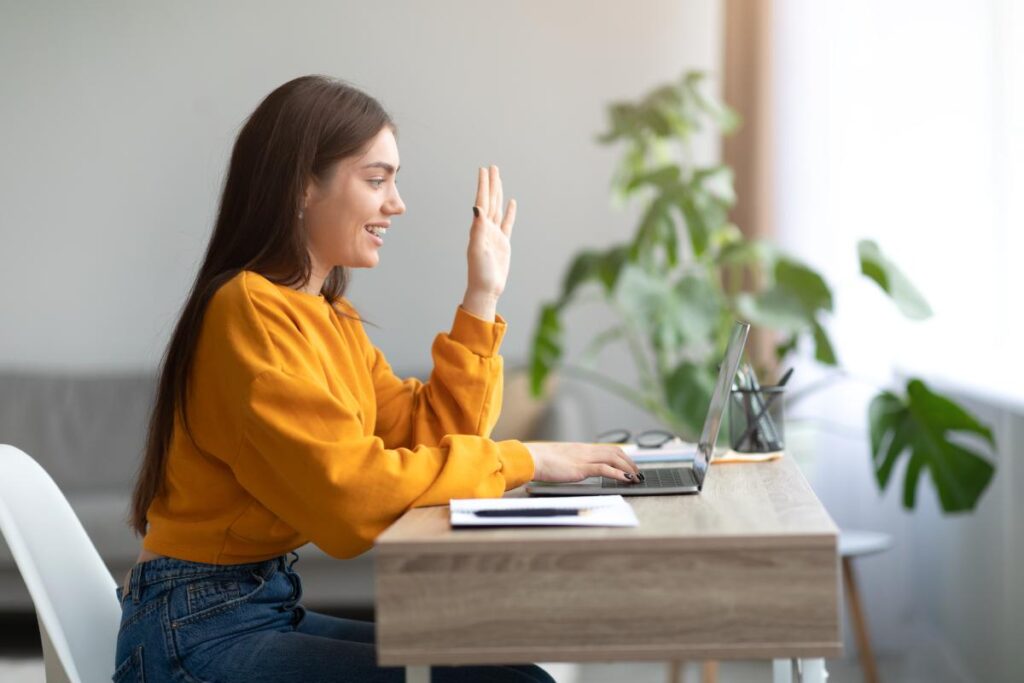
(641, 477)
(476, 211)
(629, 476)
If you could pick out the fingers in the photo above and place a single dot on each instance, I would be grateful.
(610, 472)
(499, 198)
(510, 218)
(614, 463)
(490, 195)
(483, 193)
(625, 463)
(494, 186)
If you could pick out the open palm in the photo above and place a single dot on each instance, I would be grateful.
(490, 249)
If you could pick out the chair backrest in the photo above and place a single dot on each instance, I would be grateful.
(71, 588)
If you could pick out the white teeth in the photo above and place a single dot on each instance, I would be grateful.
(377, 230)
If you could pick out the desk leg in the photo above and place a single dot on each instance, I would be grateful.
(812, 671)
(417, 674)
(782, 671)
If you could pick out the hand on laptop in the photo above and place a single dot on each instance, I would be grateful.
(557, 461)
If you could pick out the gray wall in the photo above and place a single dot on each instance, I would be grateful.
(117, 121)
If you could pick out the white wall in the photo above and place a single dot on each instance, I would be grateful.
(117, 119)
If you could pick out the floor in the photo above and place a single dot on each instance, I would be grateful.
(20, 662)
(20, 670)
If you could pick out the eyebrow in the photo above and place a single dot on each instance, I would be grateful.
(382, 164)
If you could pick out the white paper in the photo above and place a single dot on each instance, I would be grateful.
(601, 511)
(675, 450)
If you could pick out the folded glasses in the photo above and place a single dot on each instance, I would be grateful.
(652, 438)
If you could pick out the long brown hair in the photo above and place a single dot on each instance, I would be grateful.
(296, 134)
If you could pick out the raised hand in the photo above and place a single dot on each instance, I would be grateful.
(490, 249)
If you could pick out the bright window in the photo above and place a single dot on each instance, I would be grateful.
(903, 122)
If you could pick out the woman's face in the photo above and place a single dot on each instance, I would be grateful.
(358, 199)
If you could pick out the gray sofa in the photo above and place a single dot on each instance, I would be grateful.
(88, 431)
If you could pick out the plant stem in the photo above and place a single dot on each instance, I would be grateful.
(648, 377)
(608, 384)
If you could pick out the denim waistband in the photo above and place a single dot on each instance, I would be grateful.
(169, 569)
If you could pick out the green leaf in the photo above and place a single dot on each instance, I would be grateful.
(651, 304)
(546, 351)
(723, 116)
(662, 177)
(688, 390)
(924, 423)
(592, 265)
(823, 350)
(781, 350)
(890, 278)
(944, 413)
(775, 308)
(911, 478)
(717, 182)
(696, 224)
(654, 231)
(745, 252)
(887, 421)
(804, 284)
(611, 266)
(699, 305)
(585, 266)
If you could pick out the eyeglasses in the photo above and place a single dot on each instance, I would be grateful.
(652, 438)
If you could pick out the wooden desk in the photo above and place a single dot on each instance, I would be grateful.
(748, 569)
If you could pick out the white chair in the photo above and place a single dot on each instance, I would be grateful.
(71, 588)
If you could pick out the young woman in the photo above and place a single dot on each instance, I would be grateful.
(277, 422)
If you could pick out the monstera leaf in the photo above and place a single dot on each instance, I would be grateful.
(922, 424)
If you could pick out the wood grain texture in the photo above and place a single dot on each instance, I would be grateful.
(747, 569)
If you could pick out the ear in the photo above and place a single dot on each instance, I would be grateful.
(310, 192)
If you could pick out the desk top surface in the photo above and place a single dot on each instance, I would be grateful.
(742, 506)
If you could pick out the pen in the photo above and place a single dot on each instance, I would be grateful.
(533, 512)
(763, 412)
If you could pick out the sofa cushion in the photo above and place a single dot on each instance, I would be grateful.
(86, 431)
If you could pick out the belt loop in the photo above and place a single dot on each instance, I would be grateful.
(296, 559)
(134, 583)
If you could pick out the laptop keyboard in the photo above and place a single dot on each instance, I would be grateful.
(658, 478)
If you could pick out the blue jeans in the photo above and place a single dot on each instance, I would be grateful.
(203, 623)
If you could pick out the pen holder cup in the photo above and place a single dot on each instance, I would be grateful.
(756, 420)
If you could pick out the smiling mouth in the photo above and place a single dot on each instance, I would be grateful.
(377, 231)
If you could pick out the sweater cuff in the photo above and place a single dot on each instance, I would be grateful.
(516, 463)
(480, 336)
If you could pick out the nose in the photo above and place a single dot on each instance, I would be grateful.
(394, 205)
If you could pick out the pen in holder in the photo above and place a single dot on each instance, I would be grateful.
(756, 419)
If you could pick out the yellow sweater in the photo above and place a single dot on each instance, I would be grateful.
(305, 434)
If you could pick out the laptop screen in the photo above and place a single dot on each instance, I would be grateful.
(709, 435)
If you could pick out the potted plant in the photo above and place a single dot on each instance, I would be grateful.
(688, 272)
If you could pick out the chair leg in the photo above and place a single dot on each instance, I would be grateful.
(860, 626)
(53, 669)
(708, 671)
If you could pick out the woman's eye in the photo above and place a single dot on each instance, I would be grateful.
(376, 182)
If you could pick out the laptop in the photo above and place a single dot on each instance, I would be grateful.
(665, 480)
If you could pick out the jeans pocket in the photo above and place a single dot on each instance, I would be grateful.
(207, 593)
(130, 670)
(210, 596)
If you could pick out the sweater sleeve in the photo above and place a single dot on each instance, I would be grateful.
(305, 457)
(462, 395)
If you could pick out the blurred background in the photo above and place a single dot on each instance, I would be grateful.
(896, 121)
